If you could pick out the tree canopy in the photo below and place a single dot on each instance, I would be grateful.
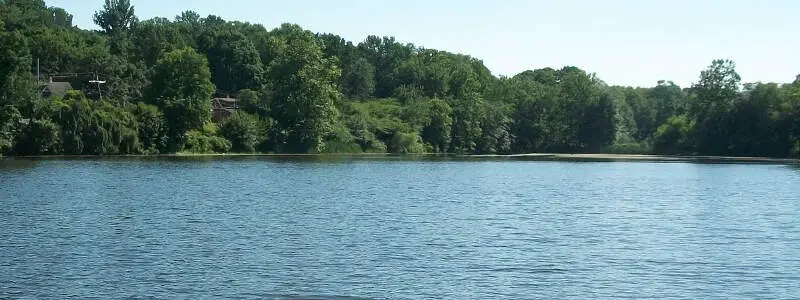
(147, 87)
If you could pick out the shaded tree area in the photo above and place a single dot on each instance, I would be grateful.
(306, 92)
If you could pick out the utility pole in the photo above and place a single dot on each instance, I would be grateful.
(99, 82)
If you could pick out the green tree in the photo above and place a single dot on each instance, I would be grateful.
(39, 137)
(152, 128)
(623, 116)
(495, 129)
(154, 37)
(466, 128)
(10, 121)
(181, 74)
(205, 140)
(670, 100)
(644, 112)
(255, 102)
(532, 110)
(16, 81)
(115, 17)
(674, 136)
(181, 86)
(386, 55)
(235, 64)
(598, 128)
(715, 94)
(433, 117)
(243, 131)
(358, 79)
(304, 90)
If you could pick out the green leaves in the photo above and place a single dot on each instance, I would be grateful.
(305, 92)
(304, 89)
(181, 86)
(716, 90)
(152, 128)
(244, 131)
(16, 81)
(234, 62)
(181, 74)
(10, 123)
(674, 137)
(115, 17)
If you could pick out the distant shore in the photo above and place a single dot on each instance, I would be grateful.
(643, 157)
(532, 156)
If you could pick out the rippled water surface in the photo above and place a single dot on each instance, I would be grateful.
(397, 228)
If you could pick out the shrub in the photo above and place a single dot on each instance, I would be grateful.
(205, 140)
(10, 120)
(40, 136)
(243, 130)
(673, 136)
(406, 143)
(152, 128)
(628, 148)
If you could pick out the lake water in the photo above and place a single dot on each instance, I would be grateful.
(395, 228)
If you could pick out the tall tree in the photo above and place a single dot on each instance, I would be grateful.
(358, 79)
(235, 63)
(304, 89)
(385, 54)
(670, 100)
(16, 81)
(115, 17)
(154, 37)
(181, 85)
(715, 94)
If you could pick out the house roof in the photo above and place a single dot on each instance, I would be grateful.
(56, 89)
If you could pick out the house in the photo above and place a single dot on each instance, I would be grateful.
(55, 89)
(222, 108)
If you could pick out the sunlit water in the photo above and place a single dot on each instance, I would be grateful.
(397, 228)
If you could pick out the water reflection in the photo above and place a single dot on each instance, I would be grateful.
(14, 164)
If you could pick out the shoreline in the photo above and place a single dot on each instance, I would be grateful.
(647, 157)
(532, 156)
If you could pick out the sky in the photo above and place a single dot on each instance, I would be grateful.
(625, 42)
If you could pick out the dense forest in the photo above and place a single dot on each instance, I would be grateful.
(146, 87)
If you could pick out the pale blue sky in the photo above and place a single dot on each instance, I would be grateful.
(626, 42)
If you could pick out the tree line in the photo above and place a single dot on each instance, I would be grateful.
(305, 92)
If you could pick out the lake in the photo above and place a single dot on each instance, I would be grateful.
(397, 228)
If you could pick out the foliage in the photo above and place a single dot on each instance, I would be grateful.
(16, 81)
(205, 140)
(406, 142)
(235, 64)
(673, 137)
(181, 74)
(96, 127)
(304, 89)
(152, 128)
(628, 148)
(10, 123)
(244, 131)
(39, 137)
(304, 92)
(115, 17)
(181, 86)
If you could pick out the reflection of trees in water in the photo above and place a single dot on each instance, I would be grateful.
(11, 164)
